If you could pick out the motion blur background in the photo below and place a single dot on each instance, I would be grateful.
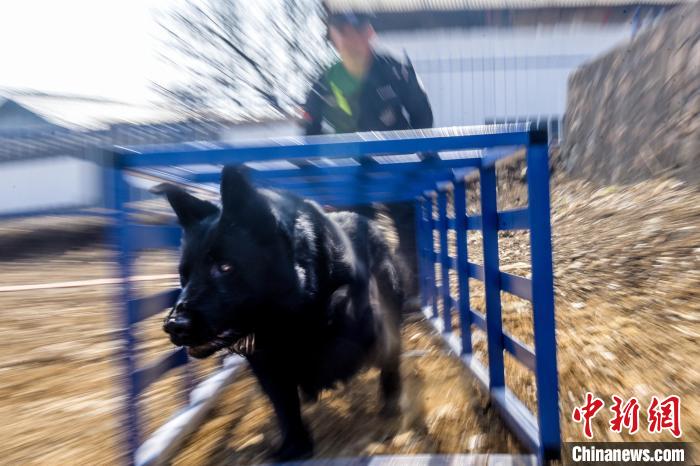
(617, 83)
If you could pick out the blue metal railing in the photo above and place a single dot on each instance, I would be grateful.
(351, 170)
(540, 433)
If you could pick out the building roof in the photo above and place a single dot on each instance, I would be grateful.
(397, 6)
(14, 116)
(78, 112)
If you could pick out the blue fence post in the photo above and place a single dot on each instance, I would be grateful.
(432, 255)
(420, 249)
(445, 261)
(465, 322)
(492, 285)
(124, 257)
(543, 300)
(427, 252)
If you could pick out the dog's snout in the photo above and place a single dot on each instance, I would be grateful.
(177, 325)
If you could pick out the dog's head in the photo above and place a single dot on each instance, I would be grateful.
(234, 260)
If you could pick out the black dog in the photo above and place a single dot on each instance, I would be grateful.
(320, 294)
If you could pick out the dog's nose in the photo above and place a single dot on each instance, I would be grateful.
(177, 325)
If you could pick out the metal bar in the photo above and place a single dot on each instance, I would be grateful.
(130, 419)
(154, 236)
(404, 188)
(491, 157)
(420, 249)
(460, 225)
(350, 181)
(143, 308)
(519, 350)
(475, 271)
(508, 220)
(359, 199)
(433, 255)
(445, 261)
(492, 294)
(474, 222)
(543, 302)
(431, 165)
(514, 219)
(478, 319)
(519, 286)
(308, 148)
(146, 376)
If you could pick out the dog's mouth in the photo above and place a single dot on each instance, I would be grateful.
(232, 341)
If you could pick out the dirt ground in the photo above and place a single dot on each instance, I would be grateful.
(627, 279)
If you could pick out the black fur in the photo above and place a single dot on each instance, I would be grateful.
(320, 293)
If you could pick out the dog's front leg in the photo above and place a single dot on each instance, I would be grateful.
(278, 382)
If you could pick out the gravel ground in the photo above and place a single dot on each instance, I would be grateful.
(627, 279)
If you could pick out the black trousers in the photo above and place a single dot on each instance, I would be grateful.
(404, 218)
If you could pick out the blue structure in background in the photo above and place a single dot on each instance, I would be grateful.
(379, 167)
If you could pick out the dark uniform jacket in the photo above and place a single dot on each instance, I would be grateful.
(391, 97)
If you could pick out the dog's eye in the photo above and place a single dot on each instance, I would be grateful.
(221, 269)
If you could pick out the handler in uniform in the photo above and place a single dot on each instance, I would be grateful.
(370, 91)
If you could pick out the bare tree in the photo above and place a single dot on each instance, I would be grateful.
(243, 59)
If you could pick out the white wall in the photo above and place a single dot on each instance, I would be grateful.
(537, 62)
(44, 184)
(261, 131)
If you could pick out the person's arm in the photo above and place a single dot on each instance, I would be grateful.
(414, 98)
(313, 107)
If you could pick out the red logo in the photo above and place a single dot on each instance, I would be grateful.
(664, 415)
(587, 412)
(626, 416)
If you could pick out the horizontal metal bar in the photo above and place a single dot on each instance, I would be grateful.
(514, 219)
(143, 308)
(494, 155)
(478, 319)
(308, 148)
(507, 220)
(474, 222)
(142, 378)
(519, 350)
(475, 271)
(402, 189)
(437, 168)
(359, 199)
(519, 286)
(154, 236)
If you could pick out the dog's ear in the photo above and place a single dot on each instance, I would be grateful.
(189, 209)
(241, 203)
